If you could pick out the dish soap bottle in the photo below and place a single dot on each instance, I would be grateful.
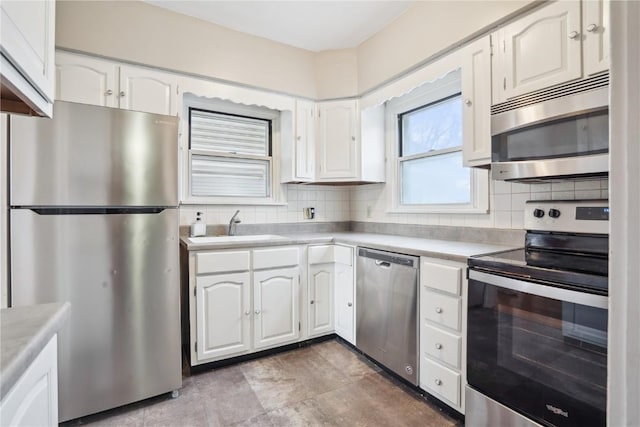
(198, 228)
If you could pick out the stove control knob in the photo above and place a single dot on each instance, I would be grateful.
(538, 213)
(554, 213)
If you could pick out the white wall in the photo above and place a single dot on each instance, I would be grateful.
(4, 261)
(506, 203)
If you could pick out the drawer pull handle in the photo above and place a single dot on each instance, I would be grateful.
(438, 310)
(438, 346)
(438, 382)
(257, 312)
(349, 304)
(246, 313)
(311, 302)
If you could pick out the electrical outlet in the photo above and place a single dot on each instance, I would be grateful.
(200, 213)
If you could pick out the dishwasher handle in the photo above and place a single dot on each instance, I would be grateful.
(385, 259)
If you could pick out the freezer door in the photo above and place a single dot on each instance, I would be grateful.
(94, 156)
(120, 272)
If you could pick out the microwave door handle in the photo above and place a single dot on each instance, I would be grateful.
(561, 294)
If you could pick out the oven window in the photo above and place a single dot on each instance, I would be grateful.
(542, 357)
(588, 134)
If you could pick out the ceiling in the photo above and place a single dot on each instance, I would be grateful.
(310, 25)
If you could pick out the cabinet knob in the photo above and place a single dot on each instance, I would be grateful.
(438, 346)
(109, 92)
(574, 35)
(257, 312)
(349, 304)
(122, 94)
(438, 310)
(311, 302)
(592, 28)
(299, 138)
(438, 382)
(353, 138)
(247, 312)
(467, 102)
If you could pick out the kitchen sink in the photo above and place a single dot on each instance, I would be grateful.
(232, 239)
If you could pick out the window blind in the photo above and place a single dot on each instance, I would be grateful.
(229, 177)
(229, 134)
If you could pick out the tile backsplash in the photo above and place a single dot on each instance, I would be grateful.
(331, 204)
(369, 203)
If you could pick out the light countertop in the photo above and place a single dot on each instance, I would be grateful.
(444, 249)
(24, 331)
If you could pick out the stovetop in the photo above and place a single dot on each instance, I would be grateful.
(538, 266)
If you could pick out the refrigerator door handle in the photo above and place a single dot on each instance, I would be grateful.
(97, 211)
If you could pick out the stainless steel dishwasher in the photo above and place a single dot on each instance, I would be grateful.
(386, 310)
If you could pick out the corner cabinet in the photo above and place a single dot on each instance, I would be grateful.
(548, 46)
(94, 81)
(442, 330)
(338, 148)
(27, 42)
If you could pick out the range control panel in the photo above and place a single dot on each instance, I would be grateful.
(569, 216)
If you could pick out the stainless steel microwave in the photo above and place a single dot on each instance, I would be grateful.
(560, 138)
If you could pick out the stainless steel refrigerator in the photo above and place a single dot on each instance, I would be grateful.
(94, 221)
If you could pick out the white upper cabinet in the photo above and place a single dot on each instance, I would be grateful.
(147, 90)
(596, 33)
(89, 80)
(558, 43)
(305, 140)
(338, 149)
(540, 50)
(86, 80)
(476, 109)
(27, 33)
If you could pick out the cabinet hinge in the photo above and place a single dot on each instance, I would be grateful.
(504, 45)
(504, 83)
(299, 327)
(196, 346)
(195, 291)
(490, 49)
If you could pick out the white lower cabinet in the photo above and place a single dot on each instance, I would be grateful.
(33, 399)
(275, 307)
(223, 310)
(345, 309)
(242, 301)
(443, 330)
(320, 308)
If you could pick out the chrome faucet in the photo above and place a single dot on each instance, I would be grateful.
(233, 222)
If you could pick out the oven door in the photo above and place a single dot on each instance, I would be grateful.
(537, 349)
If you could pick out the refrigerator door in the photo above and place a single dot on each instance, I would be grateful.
(94, 156)
(120, 272)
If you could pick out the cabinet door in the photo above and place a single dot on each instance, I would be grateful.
(223, 315)
(86, 80)
(542, 49)
(275, 307)
(595, 26)
(320, 303)
(33, 400)
(338, 144)
(344, 303)
(27, 31)
(476, 110)
(305, 140)
(147, 90)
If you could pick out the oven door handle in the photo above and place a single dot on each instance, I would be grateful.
(582, 298)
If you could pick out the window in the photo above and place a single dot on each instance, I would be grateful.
(425, 131)
(230, 155)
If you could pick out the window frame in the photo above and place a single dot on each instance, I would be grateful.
(427, 94)
(230, 108)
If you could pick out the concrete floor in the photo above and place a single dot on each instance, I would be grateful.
(325, 384)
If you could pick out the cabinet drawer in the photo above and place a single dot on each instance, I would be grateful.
(218, 262)
(440, 345)
(275, 257)
(321, 254)
(440, 380)
(442, 309)
(446, 278)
